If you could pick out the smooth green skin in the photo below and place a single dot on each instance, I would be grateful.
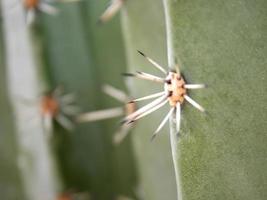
(144, 30)
(223, 44)
(10, 183)
(82, 56)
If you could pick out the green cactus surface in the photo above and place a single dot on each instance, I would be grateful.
(218, 154)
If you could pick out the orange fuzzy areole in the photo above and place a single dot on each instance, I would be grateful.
(31, 3)
(49, 105)
(64, 196)
(176, 89)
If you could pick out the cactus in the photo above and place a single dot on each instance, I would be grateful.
(34, 159)
(205, 39)
(11, 185)
(220, 43)
(219, 154)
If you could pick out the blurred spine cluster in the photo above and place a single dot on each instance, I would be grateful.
(42, 109)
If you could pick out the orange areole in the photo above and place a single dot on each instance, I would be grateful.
(64, 196)
(29, 4)
(175, 87)
(49, 105)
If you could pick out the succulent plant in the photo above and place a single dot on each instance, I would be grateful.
(220, 154)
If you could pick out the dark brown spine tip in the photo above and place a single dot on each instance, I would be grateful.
(168, 81)
(128, 74)
(153, 137)
(141, 53)
(99, 22)
(130, 122)
(130, 102)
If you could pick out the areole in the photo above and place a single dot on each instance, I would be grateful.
(29, 4)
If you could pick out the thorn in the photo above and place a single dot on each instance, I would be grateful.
(170, 93)
(130, 102)
(99, 22)
(141, 53)
(168, 81)
(126, 121)
(153, 137)
(206, 113)
(128, 74)
(130, 122)
(142, 73)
